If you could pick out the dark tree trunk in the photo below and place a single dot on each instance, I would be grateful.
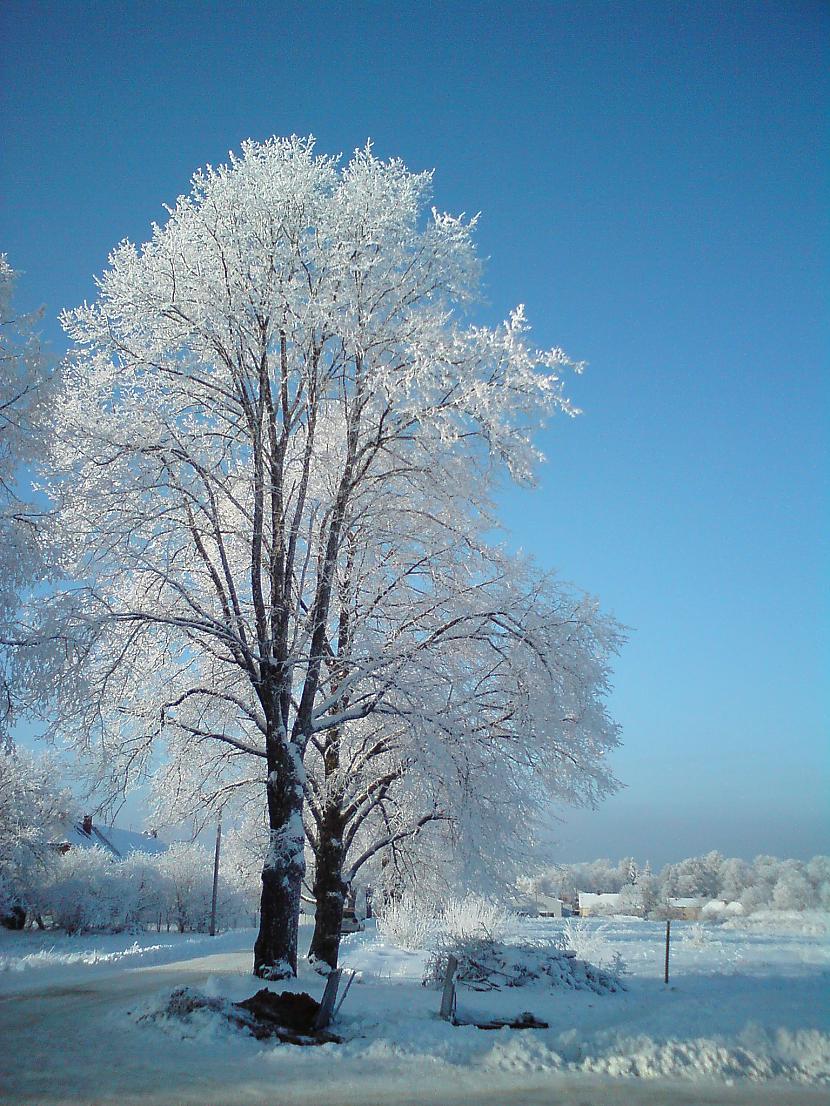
(329, 890)
(275, 950)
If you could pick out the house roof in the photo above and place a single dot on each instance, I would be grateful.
(120, 842)
(610, 898)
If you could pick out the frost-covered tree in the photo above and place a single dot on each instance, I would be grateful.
(496, 715)
(32, 808)
(24, 405)
(290, 340)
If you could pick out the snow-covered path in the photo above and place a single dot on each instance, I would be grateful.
(68, 1032)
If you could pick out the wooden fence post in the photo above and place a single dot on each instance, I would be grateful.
(448, 996)
(668, 942)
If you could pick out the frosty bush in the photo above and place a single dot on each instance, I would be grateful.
(590, 943)
(87, 891)
(695, 935)
(407, 923)
(32, 806)
(474, 916)
(90, 889)
(187, 873)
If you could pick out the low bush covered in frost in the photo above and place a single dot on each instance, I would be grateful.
(474, 916)
(592, 944)
(407, 923)
(87, 889)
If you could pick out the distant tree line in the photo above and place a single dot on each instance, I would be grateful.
(765, 883)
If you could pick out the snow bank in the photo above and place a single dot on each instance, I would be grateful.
(48, 958)
(27, 957)
(801, 1057)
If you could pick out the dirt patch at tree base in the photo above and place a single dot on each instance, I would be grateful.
(288, 1016)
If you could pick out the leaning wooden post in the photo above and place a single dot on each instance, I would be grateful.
(668, 942)
(448, 997)
(215, 876)
(324, 1014)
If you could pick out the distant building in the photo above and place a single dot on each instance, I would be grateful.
(120, 843)
(539, 905)
(601, 903)
(688, 909)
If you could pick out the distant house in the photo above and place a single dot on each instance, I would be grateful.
(539, 905)
(688, 909)
(601, 903)
(120, 843)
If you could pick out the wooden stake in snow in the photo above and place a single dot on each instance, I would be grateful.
(345, 992)
(448, 996)
(324, 1014)
(668, 941)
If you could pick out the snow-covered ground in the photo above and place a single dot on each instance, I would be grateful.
(744, 1020)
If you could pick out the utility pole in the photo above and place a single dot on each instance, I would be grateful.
(215, 876)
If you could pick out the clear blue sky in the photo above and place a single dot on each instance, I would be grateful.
(653, 185)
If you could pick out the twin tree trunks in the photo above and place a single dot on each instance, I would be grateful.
(275, 949)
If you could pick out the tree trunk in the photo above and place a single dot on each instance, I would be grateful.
(275, 950)
(329, 891)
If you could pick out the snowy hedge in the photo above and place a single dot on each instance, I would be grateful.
(87, 889)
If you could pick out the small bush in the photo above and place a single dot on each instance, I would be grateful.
(475, 917)
(590, 943)
(406, 923)
(695, 935)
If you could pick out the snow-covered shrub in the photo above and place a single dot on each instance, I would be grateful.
(695, 935)
(147, 902)
(87, 891)
(590, 943)
(186, 871)
(474, 916)
(405, 922)
(485, 965)
(91, 889)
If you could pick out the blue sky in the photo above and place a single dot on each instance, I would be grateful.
(653, 185)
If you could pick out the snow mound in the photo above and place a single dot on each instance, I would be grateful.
(190, 1014)
(801, 1057)
(485, 965)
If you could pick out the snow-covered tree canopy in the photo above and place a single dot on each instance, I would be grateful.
(23, 410)
(276, 442)
(33, 807)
